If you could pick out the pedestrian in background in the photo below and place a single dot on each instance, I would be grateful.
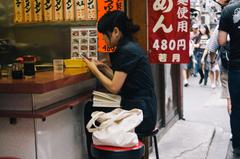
(200, 45)
(193, 37)
(213, 48)
(230, 24)
(189, 66)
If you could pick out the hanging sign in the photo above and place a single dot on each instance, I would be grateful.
(28, 17)
(68, 10)
(91, 10)
(37, 10)
(103, 7)
(18, 11)
(58, 10)
(169, 23)
(48, 10)
(80, 10)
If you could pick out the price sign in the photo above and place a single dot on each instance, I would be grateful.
(28, 16)
(37, 10)
(68, 10)
(103, 7)
(91, 10)
(48, 10)
(58, 10)
(18, 11)
(169, 27)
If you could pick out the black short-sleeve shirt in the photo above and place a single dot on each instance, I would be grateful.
(230, 23)
(138, 88)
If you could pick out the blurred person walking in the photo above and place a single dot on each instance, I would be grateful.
(214, 51)
(200, 45)
(230, 24)
(193, 37)
(188, 67)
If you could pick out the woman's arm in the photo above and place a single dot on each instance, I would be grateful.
(196, 45)
(222, 37)
(106, 70)
(113, 85)
(204, 55)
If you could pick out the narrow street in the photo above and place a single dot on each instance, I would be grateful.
(204, 105)
(205, 132)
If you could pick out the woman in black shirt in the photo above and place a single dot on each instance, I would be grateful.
(131, 72)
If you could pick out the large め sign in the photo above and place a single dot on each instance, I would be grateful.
(169, 27)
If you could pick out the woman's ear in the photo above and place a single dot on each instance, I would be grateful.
(116, 31)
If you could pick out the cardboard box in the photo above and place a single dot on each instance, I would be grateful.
(91, 10)
(48, 10)
(28, 11)
(80, 10)
(18, 11)
(69, 10)
(37, 10)
(58, 10)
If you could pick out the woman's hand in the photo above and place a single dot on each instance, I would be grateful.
(112, 82)
(91, 65)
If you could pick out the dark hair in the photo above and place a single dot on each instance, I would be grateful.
(207, 30)
(118, 19)
(200, 34)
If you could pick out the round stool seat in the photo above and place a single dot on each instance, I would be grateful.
(109, 152)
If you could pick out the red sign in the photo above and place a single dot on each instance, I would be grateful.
(169, 27)
(103, 7)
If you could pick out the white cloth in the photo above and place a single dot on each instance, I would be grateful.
(215, 67)
(116, 127)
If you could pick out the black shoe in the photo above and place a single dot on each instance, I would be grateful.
(186, 84)
(236, 152)
(200, 81)
(205, 83)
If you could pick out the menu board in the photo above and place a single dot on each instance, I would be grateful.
(48, 10)
(80, 10)
(18, 11)
(58, 10)
(68, 10)
(28, 16)
(26, 11)
(84, 42)
(91, 10)
(38, 10)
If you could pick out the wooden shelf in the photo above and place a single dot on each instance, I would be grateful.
(44, 112)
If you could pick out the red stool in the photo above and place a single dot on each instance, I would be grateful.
(109, 152)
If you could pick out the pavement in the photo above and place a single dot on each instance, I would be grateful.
(205, 132)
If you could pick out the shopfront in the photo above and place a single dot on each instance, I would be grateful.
(42, 117)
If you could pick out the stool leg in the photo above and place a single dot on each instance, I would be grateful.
(156, 146)
(146, 144)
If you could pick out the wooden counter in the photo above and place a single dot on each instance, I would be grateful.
(44, 81)
(44, 115)
(45, 94)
